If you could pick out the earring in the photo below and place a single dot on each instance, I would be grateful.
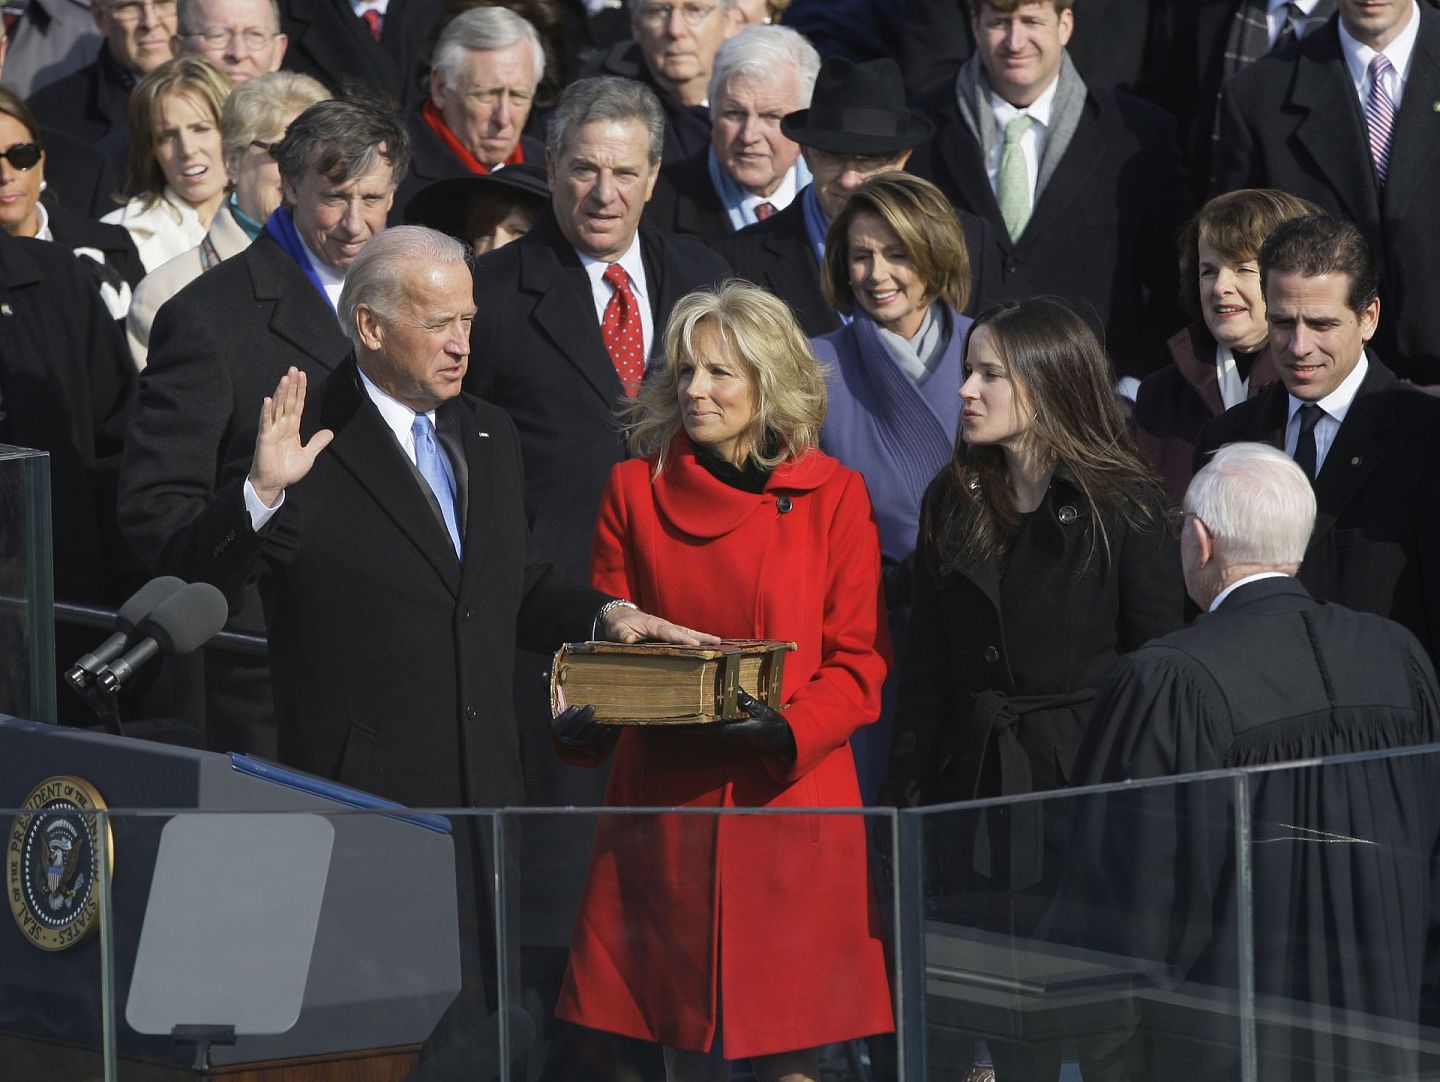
(44, 184)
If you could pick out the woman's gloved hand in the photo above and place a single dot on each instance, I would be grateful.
(576, 727)
(764, 730)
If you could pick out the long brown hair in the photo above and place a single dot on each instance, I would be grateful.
(1061, 374)
(191, 77)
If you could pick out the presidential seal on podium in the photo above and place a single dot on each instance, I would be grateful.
(53, 863)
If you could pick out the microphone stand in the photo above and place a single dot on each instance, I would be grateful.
(101, 700)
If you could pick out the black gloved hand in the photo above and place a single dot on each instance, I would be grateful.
(764, 730)
(576, 727)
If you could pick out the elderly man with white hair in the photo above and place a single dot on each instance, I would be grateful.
(1339, 856)
(483, 74)
(750, 169)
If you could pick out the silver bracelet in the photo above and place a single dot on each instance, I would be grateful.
(605, 609)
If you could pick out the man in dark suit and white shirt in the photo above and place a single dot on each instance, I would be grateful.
(218, 347)
(1083, 188)
(1369, 444)
(1348, 120)
(1344, 902)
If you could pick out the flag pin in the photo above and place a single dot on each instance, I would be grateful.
(6, 310)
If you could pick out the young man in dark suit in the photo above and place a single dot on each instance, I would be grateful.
(218, 347)
(1314, 123)
(1083, 188)
(1369, 443)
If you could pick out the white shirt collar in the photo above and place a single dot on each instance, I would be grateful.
(780, 198)
(359, 6)
(1305, 6)
(330, 278)
(42, 228)
(632, 262)
(398, 417)
(1038, 110)
(1223, 594)
(1398, 52)
(1336, 404)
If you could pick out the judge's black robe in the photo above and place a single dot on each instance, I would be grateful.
(1341, 855)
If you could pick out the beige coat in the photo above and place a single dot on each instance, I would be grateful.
(226, 238)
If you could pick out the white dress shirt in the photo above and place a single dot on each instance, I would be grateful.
(1032, 143)
(330, 278)
(780, 198)
(1334, 406)
(601, 291)
(1398, 52)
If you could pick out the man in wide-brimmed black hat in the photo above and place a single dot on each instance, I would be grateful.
(857, 126)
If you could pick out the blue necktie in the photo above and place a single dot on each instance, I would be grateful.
(432, 468)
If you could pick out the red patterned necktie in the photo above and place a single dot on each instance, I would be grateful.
(621, 331)
(763, 211)
(372, 20)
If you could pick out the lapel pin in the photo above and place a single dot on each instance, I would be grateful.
(483, 435)
(1435, 106)
(1355, 461)
(1067, 514)
(6, 310)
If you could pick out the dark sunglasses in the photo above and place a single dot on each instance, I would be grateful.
(22, 155)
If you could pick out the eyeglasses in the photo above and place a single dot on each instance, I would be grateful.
(1175, 520)
(219, 37)
(659, 14)
(23, 156)
(860, 163)
(129, 11)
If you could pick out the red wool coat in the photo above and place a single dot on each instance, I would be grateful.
(770, 919)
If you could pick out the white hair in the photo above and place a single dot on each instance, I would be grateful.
(377, 278)
(1257, 504)
(479, 30)
(758, 52)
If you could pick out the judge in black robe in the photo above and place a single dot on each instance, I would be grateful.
(1340, 855)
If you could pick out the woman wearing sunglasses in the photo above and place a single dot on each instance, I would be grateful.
(106, 251)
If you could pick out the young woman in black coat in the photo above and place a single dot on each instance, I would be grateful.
(1042, 556)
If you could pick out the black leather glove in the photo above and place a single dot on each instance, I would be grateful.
(764, 730)
(576, 727)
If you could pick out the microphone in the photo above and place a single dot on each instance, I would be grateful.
(141, 604)
(183, 622)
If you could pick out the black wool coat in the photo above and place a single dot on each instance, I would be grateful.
(1377, 530)
(391, 660)
(1103, 230)
(995, 697)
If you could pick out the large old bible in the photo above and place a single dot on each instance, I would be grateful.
(660, 684)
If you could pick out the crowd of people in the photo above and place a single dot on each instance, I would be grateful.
(440, 335)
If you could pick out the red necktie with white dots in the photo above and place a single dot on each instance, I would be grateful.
(621, 331)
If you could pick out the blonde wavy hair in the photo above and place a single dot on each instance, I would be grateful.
(758, 329)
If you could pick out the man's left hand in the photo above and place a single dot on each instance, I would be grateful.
(631, 625)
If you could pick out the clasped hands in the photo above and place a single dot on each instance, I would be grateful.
(765, 730)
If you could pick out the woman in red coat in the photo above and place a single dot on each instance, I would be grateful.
(727, 937)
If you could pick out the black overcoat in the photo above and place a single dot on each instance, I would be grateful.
(329, 41)
(66, 387)
(88, 104)
(1293, 121)
(1377, 530)
(391, 660)
(1103, 231)
(994, 698)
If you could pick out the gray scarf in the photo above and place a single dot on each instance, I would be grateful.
(972, 92)
(917, 356)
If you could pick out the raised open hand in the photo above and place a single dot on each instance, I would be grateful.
(281, 458)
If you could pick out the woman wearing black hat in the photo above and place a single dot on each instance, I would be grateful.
(485, 211)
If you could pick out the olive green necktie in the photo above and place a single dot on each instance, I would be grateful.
(1012, 186)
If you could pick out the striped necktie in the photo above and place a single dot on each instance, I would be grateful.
(1380, 115)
